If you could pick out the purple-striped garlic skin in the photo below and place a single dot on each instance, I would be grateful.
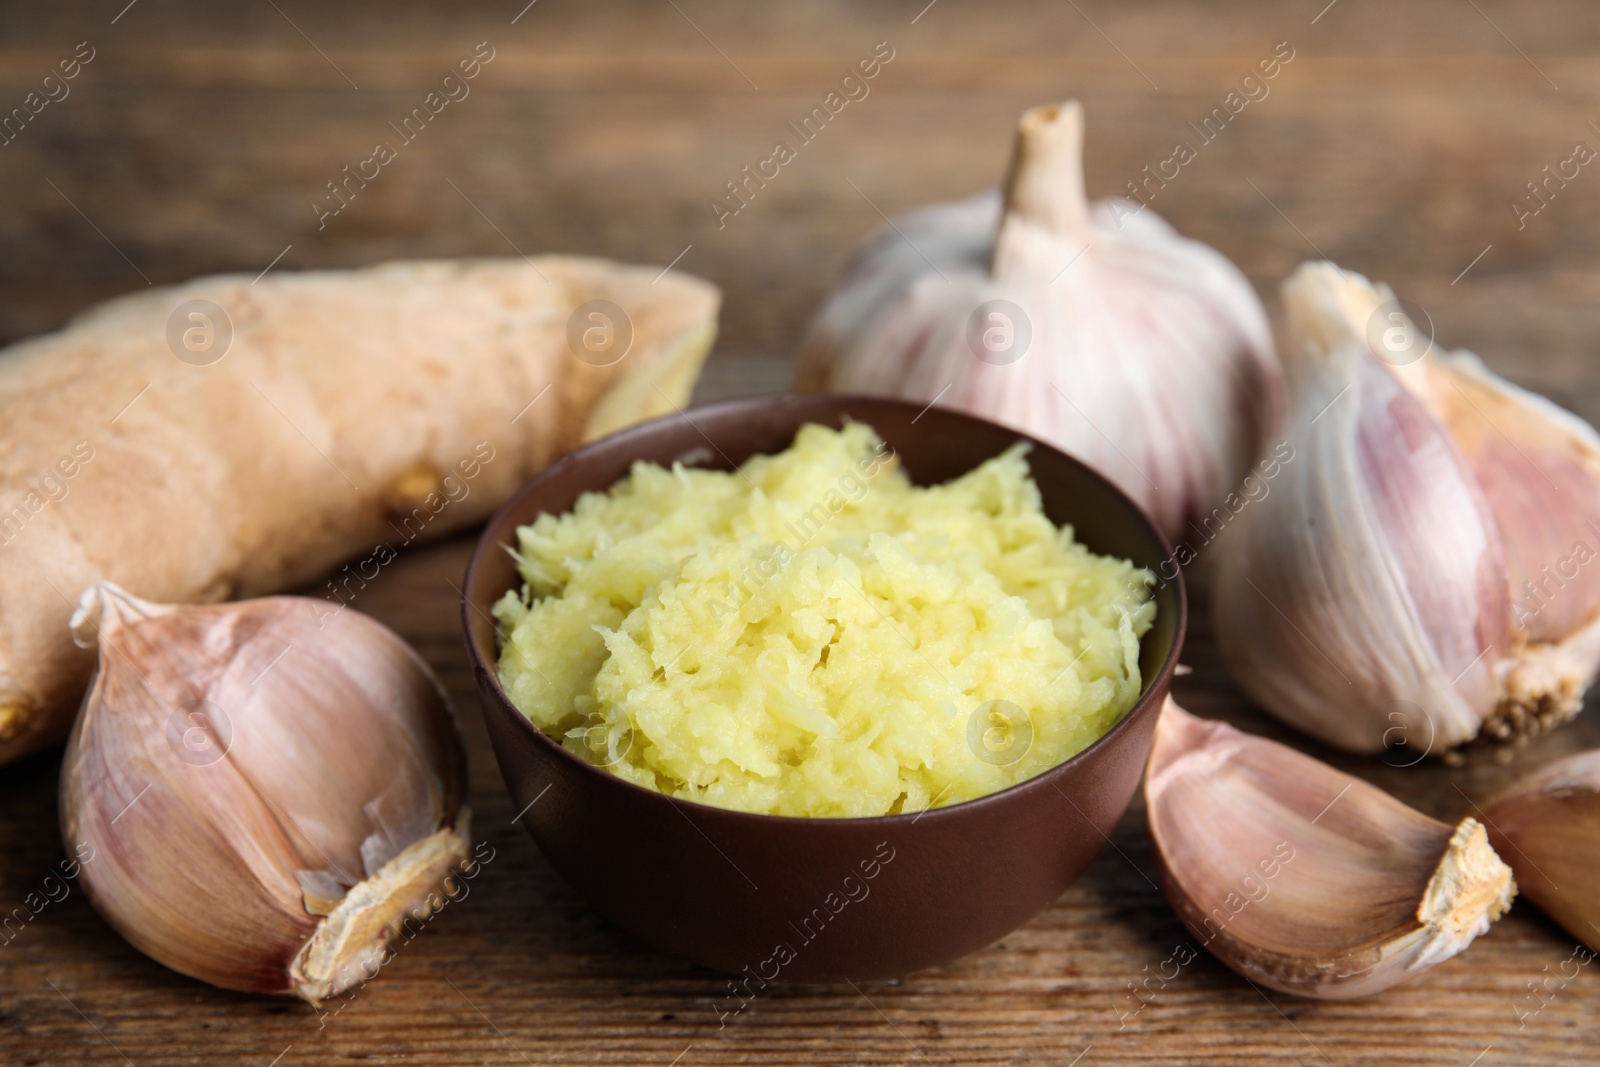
(1395, 586)
(1095, 327)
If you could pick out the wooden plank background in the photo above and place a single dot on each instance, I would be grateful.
(198, 137)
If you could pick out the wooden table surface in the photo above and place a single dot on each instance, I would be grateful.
(197, 138)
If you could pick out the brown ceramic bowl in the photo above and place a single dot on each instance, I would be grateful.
(790, 899)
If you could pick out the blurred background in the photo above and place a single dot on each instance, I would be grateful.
(199, 138)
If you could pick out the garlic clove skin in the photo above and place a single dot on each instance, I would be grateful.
(269, 787)
(1144, 354)
(1373, 597)
(1363, 599)
(870, 308)
(1537, 465)
(1303, 879)
(1546, 826)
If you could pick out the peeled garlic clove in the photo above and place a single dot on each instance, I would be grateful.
(1094, 327)
(1304, 879)
(1369, 598)
(270, 788)
(1546, 827)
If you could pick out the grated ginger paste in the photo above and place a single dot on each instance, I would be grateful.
(813, 635)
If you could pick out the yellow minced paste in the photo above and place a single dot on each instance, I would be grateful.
(813, 635)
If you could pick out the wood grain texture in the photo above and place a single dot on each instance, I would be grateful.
(199, 136)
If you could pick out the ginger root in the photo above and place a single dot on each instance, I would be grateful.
(229, 438)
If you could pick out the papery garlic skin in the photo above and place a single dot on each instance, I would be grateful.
(1547, 825)
(1149, 356)
(1368, 599)
(1345, 599)
(1304, 879)
(1538, 467)
(270, 786)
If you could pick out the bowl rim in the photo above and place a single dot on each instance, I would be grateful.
(1154, 694)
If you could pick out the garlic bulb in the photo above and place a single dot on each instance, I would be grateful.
(1418, 571)
(1546, 827)
(1096, 328)
(1302, 878)
(270, 788)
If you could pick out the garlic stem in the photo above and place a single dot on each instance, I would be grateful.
(1096, 328)
(1044, 182)
(107, 598)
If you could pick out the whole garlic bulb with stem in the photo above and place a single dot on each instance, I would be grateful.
(1094, 327)
(1546, 826)
(1419, 572)
(1304, 879)
(270, 788)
